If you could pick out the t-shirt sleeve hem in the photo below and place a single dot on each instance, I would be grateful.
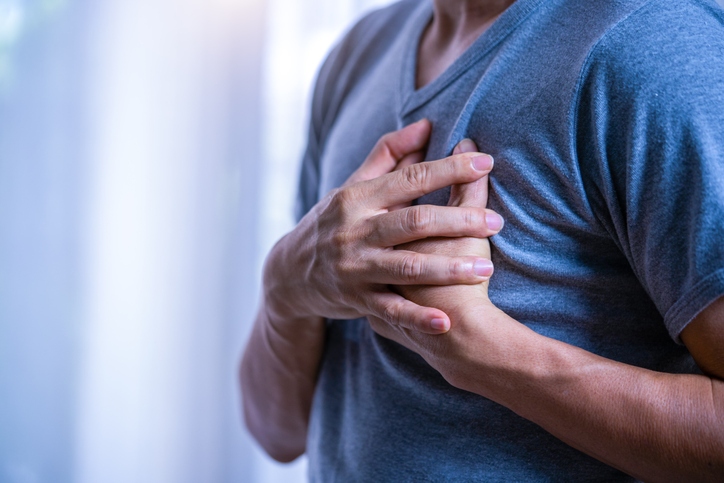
(691, 304)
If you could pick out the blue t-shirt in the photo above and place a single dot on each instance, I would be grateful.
(606, 121)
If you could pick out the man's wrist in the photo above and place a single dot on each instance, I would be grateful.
(510, 363)
(494, 351)
(282, 300)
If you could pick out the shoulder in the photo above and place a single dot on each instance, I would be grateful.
(667, 51)
(361, 44)
(382, 21)
(355, 54)
(656, 79)
(350, 58)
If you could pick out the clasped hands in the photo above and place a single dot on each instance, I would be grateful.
(363, 250)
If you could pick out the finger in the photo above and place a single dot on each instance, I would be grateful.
(425, 221)
(391, 149)
(465, 146)
(403, 267)
(418, 179)
(392, 332)
(382, 328)
(410, 159)
(397, 310)
(472, 194)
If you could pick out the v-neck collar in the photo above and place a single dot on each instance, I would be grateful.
(413, 98)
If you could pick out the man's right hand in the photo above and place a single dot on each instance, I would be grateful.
(340, 259)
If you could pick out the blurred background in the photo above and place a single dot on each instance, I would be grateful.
(148, 159)
(148, 156)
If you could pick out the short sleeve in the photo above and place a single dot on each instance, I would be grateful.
(308, 187)
(651, 141)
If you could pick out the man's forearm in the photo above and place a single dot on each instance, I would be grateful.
(654, 426)
(338, 263)
(278, 375)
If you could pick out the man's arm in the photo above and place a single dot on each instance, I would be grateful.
(278, 375)
(337, 263)
(654, 426)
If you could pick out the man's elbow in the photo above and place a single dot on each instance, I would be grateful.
(280, 447)
(282, 456)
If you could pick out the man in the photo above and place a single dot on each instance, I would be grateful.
(605, 120)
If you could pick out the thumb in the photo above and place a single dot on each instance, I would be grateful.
(393, 148)
(469, 194)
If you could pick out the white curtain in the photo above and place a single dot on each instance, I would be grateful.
(147, 161)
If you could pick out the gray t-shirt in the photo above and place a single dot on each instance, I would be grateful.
(606, 121)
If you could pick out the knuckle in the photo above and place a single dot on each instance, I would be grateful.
(474, 220)
(465, 271)
(391, 313)
(394, 315)
(378, 232)
(458, 269)
(411, 268)
(344, 267)
(340, 239)
(417, 176)
(385, 139)
(463, 168)
(382, 146)
(340, 197)
(418, 219)
(346, 257)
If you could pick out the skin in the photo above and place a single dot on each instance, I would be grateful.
(339, 262)
(655, 426)
(455, 26)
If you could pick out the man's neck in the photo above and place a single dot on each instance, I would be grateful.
(455, 26)
(455, 20)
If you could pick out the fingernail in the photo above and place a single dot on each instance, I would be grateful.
(483, 163)
(494, 221)
(467, 146)
(440, 324)
(483, 267)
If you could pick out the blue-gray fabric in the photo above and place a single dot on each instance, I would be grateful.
(606, 121)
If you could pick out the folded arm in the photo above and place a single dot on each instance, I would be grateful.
(654, 426)
(338, 263)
